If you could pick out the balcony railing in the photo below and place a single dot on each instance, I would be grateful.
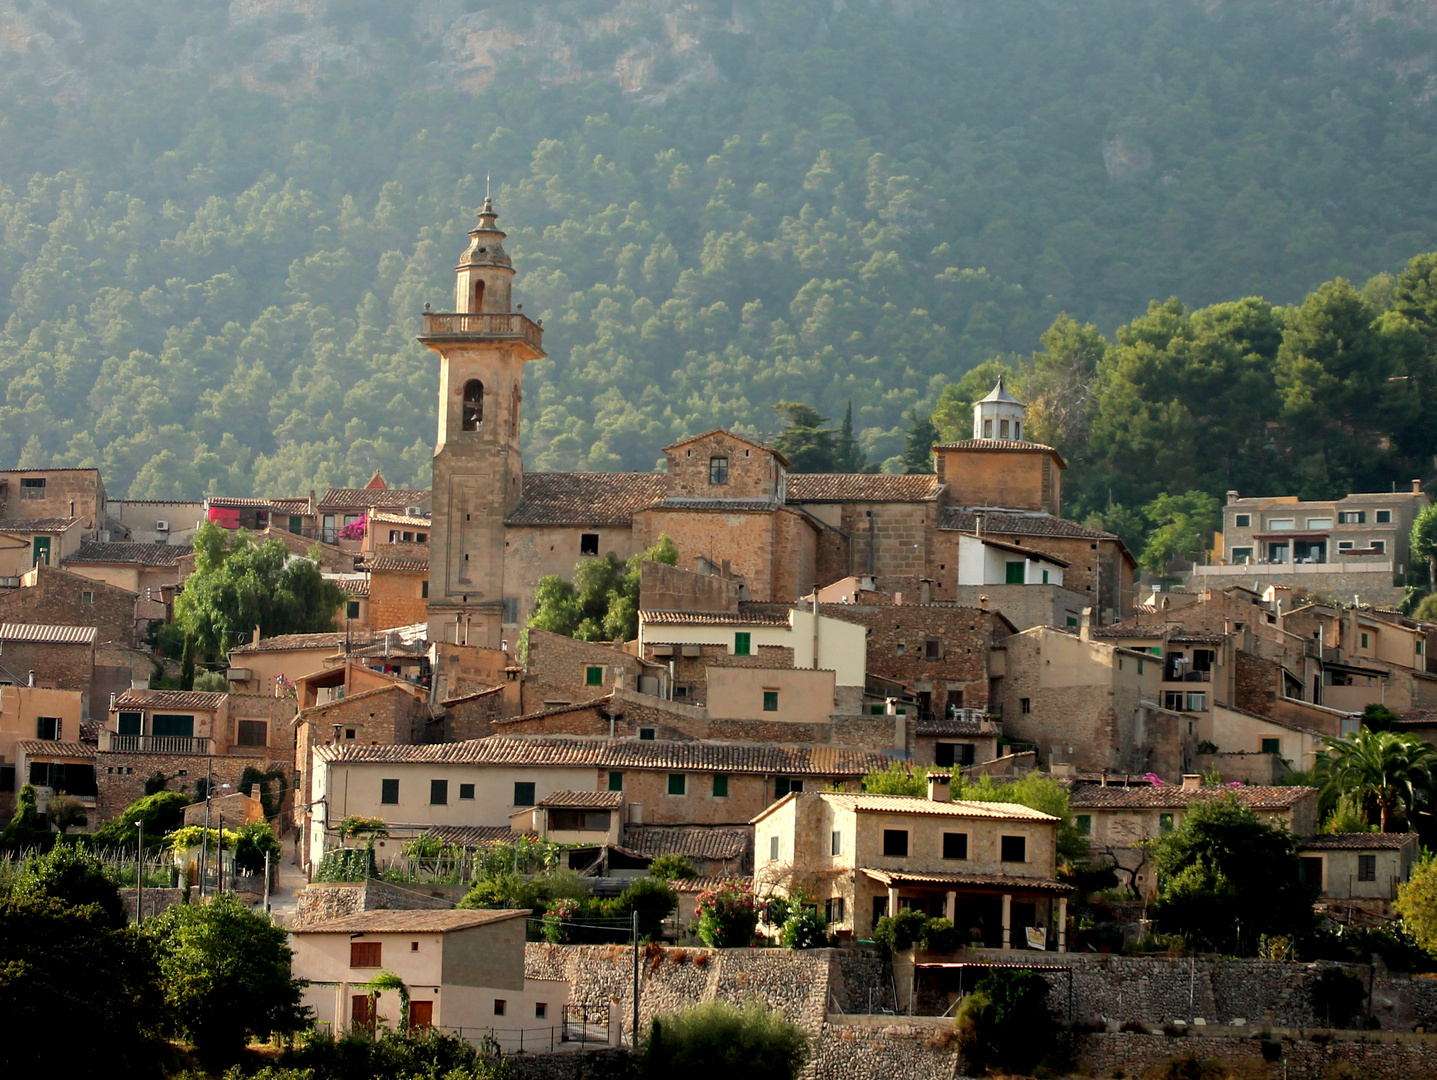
(152, 744)
(501, 324)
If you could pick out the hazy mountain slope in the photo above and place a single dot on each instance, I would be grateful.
(220, 220)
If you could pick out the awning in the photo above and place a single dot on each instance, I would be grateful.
(994, 883)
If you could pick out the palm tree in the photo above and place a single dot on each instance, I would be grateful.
(1393, 770)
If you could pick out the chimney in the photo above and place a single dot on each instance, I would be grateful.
(940, 787)
(1192, 781)
(1085, 625)
(898, 599)
(31, 680)
(1416, 487)
(255, 639)
(982, 603)
(978, 523)
(1232, 496)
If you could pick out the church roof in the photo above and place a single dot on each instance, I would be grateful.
(861, 487)
(585, 498)
(729, 434)
(1000, 393)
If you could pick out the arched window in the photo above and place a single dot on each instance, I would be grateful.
(473, 404)
(478, 297)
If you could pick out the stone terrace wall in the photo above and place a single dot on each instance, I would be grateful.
(157, 901)
(589, 1065)
(1273, 1054)
(323, 901)
(891, 1048)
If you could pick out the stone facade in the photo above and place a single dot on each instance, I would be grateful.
(398, 597)
(78, 493)
(57, 597)
(323, 901)
(120, 778)
(57, 666)
(772, 549)
(557, 670)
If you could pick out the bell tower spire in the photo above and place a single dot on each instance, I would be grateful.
(483, 346)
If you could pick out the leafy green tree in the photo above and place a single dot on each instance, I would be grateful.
(1393, 771)
(1006, 1022)
(952, 415)
(601, 603)
(1036, 791)
(1424, 542)
(848, 455)
(897, 779)
(918, 445)
(225, 971)
(1417, 902)
(1182, 527)
(1228, 878)
(1062, 384)
(239, 584)
(1346, 816)
(717, 1040)
(75, 877)
(809, 445)
(672, 868)
(25, 829)
(160, 812)
(252, 843)
(67, 961)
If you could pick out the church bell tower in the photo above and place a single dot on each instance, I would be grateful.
(478, 474)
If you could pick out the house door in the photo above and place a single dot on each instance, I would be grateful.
(41, 551)
(421, 1014)
(362, 1011)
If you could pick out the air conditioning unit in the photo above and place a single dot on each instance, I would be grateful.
(413, 511)
(162, 526)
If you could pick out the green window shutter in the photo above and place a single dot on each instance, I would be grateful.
(389, 791)
(593, 676)
(678, 783)
(1016, 573)
(1045, 577)
(720, 786)
(770, 701)
(1272, 746)
(741, 643)
(616, 781)
(1085, 824)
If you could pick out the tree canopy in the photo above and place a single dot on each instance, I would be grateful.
(1389, 771)
(239, 584)
(601, 601)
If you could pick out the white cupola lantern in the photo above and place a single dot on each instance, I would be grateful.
(999, 416)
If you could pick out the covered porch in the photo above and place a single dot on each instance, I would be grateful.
(996, 911)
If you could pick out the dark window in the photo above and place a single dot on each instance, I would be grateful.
(541, 1010)
(741, 643)
(466, 791)
(718, 470)
(678, 783)
(943, 753)
(579, 820)
(439, 792)
(32, 487)
(954, 754)
(130, 723)
(593, 676)
(588, 543)
(1025, 705)
(616, 781)
(351, 610)
(895, 842)
(473, 405)
(7, 777)
(71, 779)
(1165, 823)
(1312, 871)
(349, 733)
(1384, 517)
(836, 843)
(389, 791)
(720, 786)
(87, 597)
(499, 1004)
(1203, 659)
(833, 910)
(366, 954)
(1085, 824)
(770, 701)
(176, 727)
(955, 845)
(1367, 868)
(932, 649)
(1242, 521)
(1013, 849)
(646, 734)
(1272, 746)
(782, 785)
(1015, 573)
(523, 793)
(48, 727)
(251, 732)
(424, 589)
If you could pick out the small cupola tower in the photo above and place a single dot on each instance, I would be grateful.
(999, 416)
(485, 274)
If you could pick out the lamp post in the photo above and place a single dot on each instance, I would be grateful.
(205, 835)
(140, 873)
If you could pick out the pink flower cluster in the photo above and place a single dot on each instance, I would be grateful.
(1154, 779)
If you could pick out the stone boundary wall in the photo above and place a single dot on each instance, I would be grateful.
(157, 901)
(588, 1065)
(884, 1048)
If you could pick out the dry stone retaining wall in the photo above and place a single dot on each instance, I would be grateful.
(322, 901)
(1274, 1054)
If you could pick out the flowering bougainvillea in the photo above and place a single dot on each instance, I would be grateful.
(1153, 778)
(728, 916)
(559, 920)
(355, 529)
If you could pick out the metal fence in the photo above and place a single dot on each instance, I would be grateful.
(576, 1033)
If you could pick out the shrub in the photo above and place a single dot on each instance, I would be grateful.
(805, 929)
(899, 932)
(354, 864)
(252, 843)
(716, 1040)
(403, 1055)
(73, 877)
(728, 916)
(653, 900)
(1005, 1023)
(161, 812)
(940, 936)
(1337, 997)
(672, 868)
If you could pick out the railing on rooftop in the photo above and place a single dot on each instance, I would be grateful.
(500, 324)
(152, 744)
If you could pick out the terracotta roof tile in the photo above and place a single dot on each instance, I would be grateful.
(370, 498)
(476, 836)
(130, 554)
(1001, 445)
(36, 525)
(727, 506)
(1357, 842)
(860, 487)
(398, 564)
(287, 642)
(606, 754)
(49, 748)
(712, 618)
(992, 881)
(382, 517)
(747, 441)
(42, 634)
(585, 498)
(171, 699)
(694, 841)
(583, 800)
(941, 726)
(704, 884)
(1017, 523)
(409, 922)
(917, 804)
(1095, 796)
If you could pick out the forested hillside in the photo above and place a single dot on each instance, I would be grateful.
(219, 221)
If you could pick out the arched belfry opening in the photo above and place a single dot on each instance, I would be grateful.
(473, 404)
(478, 297)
